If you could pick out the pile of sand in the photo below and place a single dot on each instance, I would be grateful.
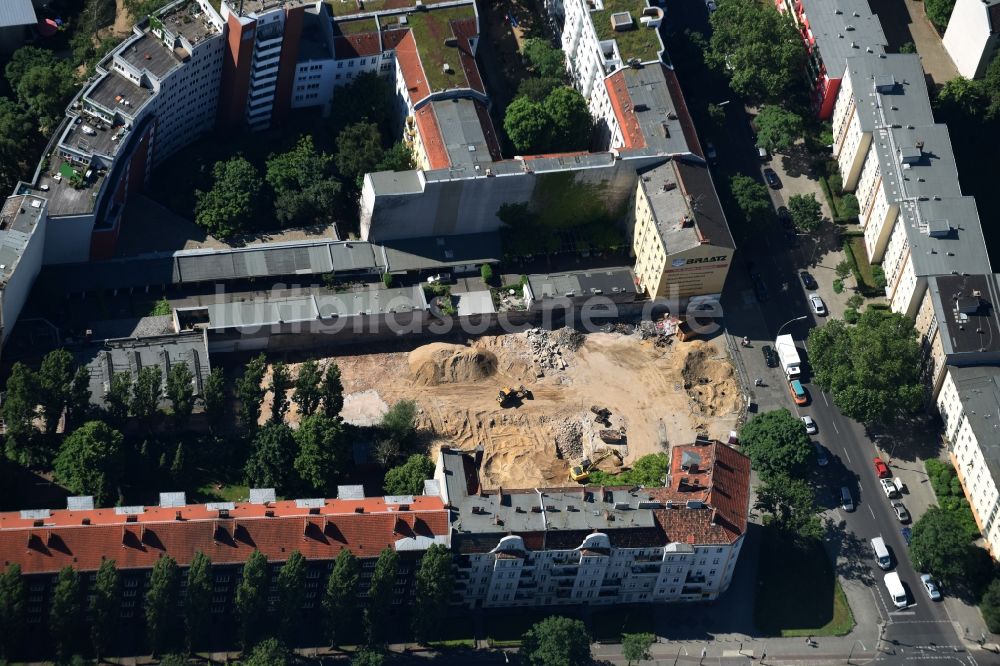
(442, 363)
(709, 381)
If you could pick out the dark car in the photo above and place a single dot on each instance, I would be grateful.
(770, 357)
(759, 288)
(808, 280)
(772, 179)
(784, 217)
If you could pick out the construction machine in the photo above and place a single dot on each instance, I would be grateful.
(580, 473)
(508, 394)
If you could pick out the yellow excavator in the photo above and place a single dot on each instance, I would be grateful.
(580, 473)
(508, 394)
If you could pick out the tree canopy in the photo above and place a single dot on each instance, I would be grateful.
(180, 392)
(271, 463)
(198, 601)
(161, 604)
(544, 60)
(17, 129)
(758, 48)
(635, 647)
(340, 608)
(250, 391)
(556, 641)
(380, 596)
(307, 395)
(778, 128)
(90, 461)
(752, 198)
(105, 600)
(560, 122)
(281, 382)
(269, 652)
(649, 470)
(434, 583)
(251, 598)
(791, 505)
(939, 12)
(408, 478)
(12, 616)
(42, 82)
(64, 613)
(323, 452)
(359, 150)
(304, 188)
(872, 370)
(940, 545)
(776, 443)
(990, 606)
(229, 207)
(806, 212)
(332, 391)
(526, 125)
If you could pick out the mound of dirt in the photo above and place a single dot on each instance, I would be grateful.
(442, 363)
(709, 381)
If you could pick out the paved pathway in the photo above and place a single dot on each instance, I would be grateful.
(905, 21)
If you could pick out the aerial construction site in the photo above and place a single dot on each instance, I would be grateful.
(540, 402)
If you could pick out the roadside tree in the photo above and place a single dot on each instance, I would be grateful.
(752, 198)
(269, 652)
(64, 613)
(12, 617)
(105, 601)
(161, 605)
(778, 128)
(635, 647)
(251, 599)
(198, 601)
(940, 545)
(380, 596)
(291, 592)
(340, 607)
(556, 641)
(434, 583)
(777, 444)
(791, 506)
(806, 212)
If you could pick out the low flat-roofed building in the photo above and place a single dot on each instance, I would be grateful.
(17, 18)
(23, 222)
(596, 290)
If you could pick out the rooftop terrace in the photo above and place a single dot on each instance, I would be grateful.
(441, 42)
(114, 92)
(18, 218)
(68, 194)
(967, 308)
(149, 53)
(189, 21)
(639, 41)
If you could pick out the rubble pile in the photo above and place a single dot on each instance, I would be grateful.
(568, 338)
(546, 351)
(569, 440)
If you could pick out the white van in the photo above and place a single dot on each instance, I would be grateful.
(896, 590)
(881, 553)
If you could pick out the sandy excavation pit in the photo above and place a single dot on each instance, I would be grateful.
(661, 396)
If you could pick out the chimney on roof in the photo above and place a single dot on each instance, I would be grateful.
(359, 509)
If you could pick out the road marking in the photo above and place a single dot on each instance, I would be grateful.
(824, 399)
(836, 428)
(847, 454)
(898, 613)
(870, 510)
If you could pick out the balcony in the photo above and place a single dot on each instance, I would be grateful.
(646, 569)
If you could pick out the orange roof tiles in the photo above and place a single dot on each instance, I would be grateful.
(363, 526)
(621, 102)
(430, 135)
(357, 46)
(413, 70)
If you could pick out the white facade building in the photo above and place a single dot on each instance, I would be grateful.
(22, 237)
(973, 36)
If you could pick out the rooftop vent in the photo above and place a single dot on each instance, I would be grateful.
(909, 154)
(938, 228)
(621, 21)
(885, 83)
(446, 68)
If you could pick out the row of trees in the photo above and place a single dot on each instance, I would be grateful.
(751, 196)
(181, 620)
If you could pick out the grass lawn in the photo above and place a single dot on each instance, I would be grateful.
(639, 42)
(797, 591)
(431, 30)
(224, 493)
(861, 258)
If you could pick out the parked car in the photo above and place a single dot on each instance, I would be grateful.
(785, 218)
(770, 356)
(772, 179)
(798, 392)
(881, 469)
(762, 154)
(821, 458)
(808, 281)
(901, 513)
(846, 501)
(710, 151)
(932, 589)
(817, 305)
(710, 6)
(907, 534)
(810, 425)
(889, 488)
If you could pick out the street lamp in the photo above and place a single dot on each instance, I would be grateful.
(789, 322)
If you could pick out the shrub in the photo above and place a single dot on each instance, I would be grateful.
(851, 316)
(836, 183)
(838, 286)
(387, 279)
(486, 272)
(849, 206)
(878, 277)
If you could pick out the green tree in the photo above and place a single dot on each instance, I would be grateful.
(777, 444)
(79, 398)
(228, 208)
(42, 82)
(571, 121)
(528, 126)
(537, 89)
(556, 641)
(17, 129)
(323, 452)
(400, 421)
(25, 59)
(269, 652)
(180, 392)
(752, 198)
(791, 504)
(908, 47)
(291, 592)
(635, 647)
(90, 461)
(340, 609)
(398, 157)
(11, 610)
(359, 149)
(64, 613)
(198, 601)
(281, 382)
(332, 390)
(250, 391)
(408, 478)
(54, 380)
(367, 657)
(19, 408)
(757, 47)
(303, 186)
(778, 128)
(105, 602)
(990, 606)
(872, 370)
(251, 599)
(991, 84)
(434, 583)
(146, 392)
(270, 464)
(940, 545)
(161, 604)
(307, 395)
(215, 397)
(962, 95)
(486, 273)
(138, 9)
(368, 97)
(843, 269)
(806, 212)
(173, 659)
(544, 59)
(939, 12)
(118, 397)
(380, 596)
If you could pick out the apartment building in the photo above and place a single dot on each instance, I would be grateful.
(972, 38)
(969, 403)
(597, 545)
(23, 220)
(959, 324)
(81, 536)
(832, 32)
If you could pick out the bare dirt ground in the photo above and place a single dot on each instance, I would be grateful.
(660, 396)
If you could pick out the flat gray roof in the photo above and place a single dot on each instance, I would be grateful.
(18, 219)
(948, 237)
(581, 283)
(189, 22)
(462, 133)
(398, 182)
(272, 260)
(917, 162)
(902, 96)
(843, 28)
(967, 309)
(979, 390)
(431, 252)
(17, 12)
(149, 53)
(658, 116)
(90, 135)
(116, 93)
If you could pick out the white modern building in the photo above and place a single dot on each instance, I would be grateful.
(23, 220)
(597, 545)
(973, 36)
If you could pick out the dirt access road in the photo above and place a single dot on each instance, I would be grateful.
(661, 396)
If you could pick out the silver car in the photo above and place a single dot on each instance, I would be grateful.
(932, 589)
(817, 305)
(810, 424)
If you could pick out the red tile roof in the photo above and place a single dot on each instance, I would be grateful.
(430, 136)
(465, 31)
(357, 46)
(363, 526)
(413, 70)
(621, 102)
